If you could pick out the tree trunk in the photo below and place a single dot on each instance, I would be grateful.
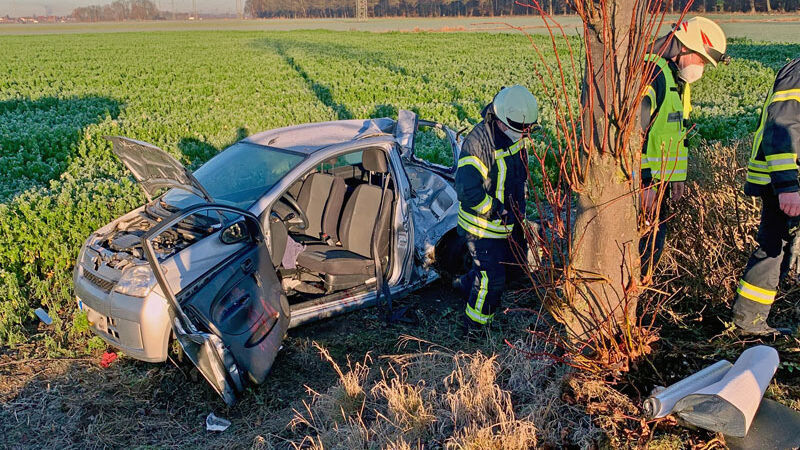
(769, 7)
(605, 257)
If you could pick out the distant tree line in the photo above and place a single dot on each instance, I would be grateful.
(437, 8)
(118, 11)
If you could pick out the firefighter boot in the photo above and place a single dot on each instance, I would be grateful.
(750, 319)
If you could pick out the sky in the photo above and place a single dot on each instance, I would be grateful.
(16, 8)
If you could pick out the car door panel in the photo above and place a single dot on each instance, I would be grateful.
(240, 303)
(230, 320)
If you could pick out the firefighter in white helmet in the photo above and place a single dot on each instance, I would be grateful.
(678, 59)
(491, 184)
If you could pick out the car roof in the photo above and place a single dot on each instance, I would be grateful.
(309, 138)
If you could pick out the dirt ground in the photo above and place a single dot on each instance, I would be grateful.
(78, 404)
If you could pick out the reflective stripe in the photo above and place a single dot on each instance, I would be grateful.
(513, 150)
(789, 94)
(687, 100)
(783, 99)
(755, 293)
(500, 194)
(656, 159)
(475, 313)
(760, 131)
(782, 161)
(758, 165)
(475, 162)
(484, 289)
(670, 172)
(479, 232)
(478, 317)
(758, 179)
(493, 225)
(484, 206)
(651, 94)
(482, 228)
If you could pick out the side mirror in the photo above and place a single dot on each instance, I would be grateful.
(235, 232)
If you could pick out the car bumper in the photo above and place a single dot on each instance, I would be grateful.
(139, 327)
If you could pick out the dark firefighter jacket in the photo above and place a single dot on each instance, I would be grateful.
(776, 146)
(491, 177)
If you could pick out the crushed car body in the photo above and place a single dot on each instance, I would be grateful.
(282, 228)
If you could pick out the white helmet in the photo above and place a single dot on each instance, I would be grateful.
(516, 107)
(704, 37)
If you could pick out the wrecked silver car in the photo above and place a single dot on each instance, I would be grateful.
(282, 228)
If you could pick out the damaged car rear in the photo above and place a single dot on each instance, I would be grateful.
(282, 228)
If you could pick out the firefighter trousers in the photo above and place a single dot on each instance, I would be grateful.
(651, 244)
(483, 285)
(767, 266)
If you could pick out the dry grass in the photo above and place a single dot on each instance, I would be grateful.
(716, 233)
(439, 398)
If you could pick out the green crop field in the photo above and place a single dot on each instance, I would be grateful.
(194, 93)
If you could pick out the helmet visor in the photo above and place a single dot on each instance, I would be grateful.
(717, 55)
(521, 127)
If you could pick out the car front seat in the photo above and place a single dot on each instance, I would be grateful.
(352, 264)
(321, 198)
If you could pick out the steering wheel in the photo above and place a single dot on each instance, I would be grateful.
(295, 220)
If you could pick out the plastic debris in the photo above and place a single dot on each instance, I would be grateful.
(43, 316)
(663, 400)
(107, 359)
(723, 397)
(214, 423)
(729, 405)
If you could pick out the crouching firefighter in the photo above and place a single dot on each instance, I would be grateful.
(772, 175)
(491, 184)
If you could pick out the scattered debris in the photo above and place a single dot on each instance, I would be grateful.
(721, 397)
(107, 359)
(43, 316)
(214, 423)
(663, 400)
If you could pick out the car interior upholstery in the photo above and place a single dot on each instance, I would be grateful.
(347, 206)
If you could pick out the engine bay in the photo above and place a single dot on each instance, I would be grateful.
(122, 245)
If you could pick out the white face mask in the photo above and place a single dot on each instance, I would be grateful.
(691, 73)
(513, 135)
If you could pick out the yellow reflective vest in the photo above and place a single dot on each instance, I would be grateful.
(665, 155)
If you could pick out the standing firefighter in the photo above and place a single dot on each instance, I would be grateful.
(491, 181)
(772, 175)
(679, 61)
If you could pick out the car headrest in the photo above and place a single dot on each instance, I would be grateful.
(374, 160)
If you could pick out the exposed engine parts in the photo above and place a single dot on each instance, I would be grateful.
(123, 245)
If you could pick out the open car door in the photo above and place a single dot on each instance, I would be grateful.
(231, 319)
(410, 128)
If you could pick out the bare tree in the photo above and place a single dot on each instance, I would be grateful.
(590, 276)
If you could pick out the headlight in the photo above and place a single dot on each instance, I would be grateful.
(136, 281)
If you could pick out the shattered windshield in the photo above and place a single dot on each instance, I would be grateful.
(238, 176)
